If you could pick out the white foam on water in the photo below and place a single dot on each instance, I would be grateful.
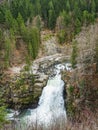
(51, 103)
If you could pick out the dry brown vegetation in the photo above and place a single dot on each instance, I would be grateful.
(86, 120)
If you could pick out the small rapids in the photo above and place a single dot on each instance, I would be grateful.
(50, 107)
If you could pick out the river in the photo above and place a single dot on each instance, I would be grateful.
(51, 109)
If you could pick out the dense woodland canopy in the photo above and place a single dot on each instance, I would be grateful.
(72, 10)
(73, 14)
(65, 16)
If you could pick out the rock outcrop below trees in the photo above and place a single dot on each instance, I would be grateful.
(21, 87)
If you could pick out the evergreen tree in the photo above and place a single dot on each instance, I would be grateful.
(37, 7)
(35, 41)
(85, 16)
(93, 6)
(49, 10)
(8, 18)
(2, 18)
(21, 25)
(77, 26)
(7, 51)
(68, 6)
(51, 20)
(30, 50)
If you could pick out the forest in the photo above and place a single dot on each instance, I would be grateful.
(69, 15)
(24, 20)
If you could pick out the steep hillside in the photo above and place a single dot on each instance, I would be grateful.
(82, 81)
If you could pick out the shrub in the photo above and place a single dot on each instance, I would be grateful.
(61, 36)
(74, 55)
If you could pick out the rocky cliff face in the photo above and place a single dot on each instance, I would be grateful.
(22, 86)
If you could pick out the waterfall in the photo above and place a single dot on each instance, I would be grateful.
(50, 106)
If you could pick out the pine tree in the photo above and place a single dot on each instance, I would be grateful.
(77, 26)
(67, 6)
(7, 51)
(85, 16)
(35, 41)
(30, 50)
(8, 18)
(21, 25)
(93, 6)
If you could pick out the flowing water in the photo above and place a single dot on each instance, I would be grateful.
(51, 104)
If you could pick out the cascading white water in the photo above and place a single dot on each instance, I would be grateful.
(51, 104)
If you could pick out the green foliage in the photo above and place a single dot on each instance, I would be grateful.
(77, 26)
(70, 109)
(35, 40)
(12, 34)
(30, 49)
(71, 89)
(15, 14)
(49, 10)
(10, 21)
(2, 115)
(74, 55)
(51, 15)
(24, 7)
(32, 37)
(88, 17)
(21, 81)
(3, 8)
(47, 37)
(66, 16)
(51, 20)
(21, 25)
(61, 36)
(8, 18)
(7, 51)
(3, 111)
